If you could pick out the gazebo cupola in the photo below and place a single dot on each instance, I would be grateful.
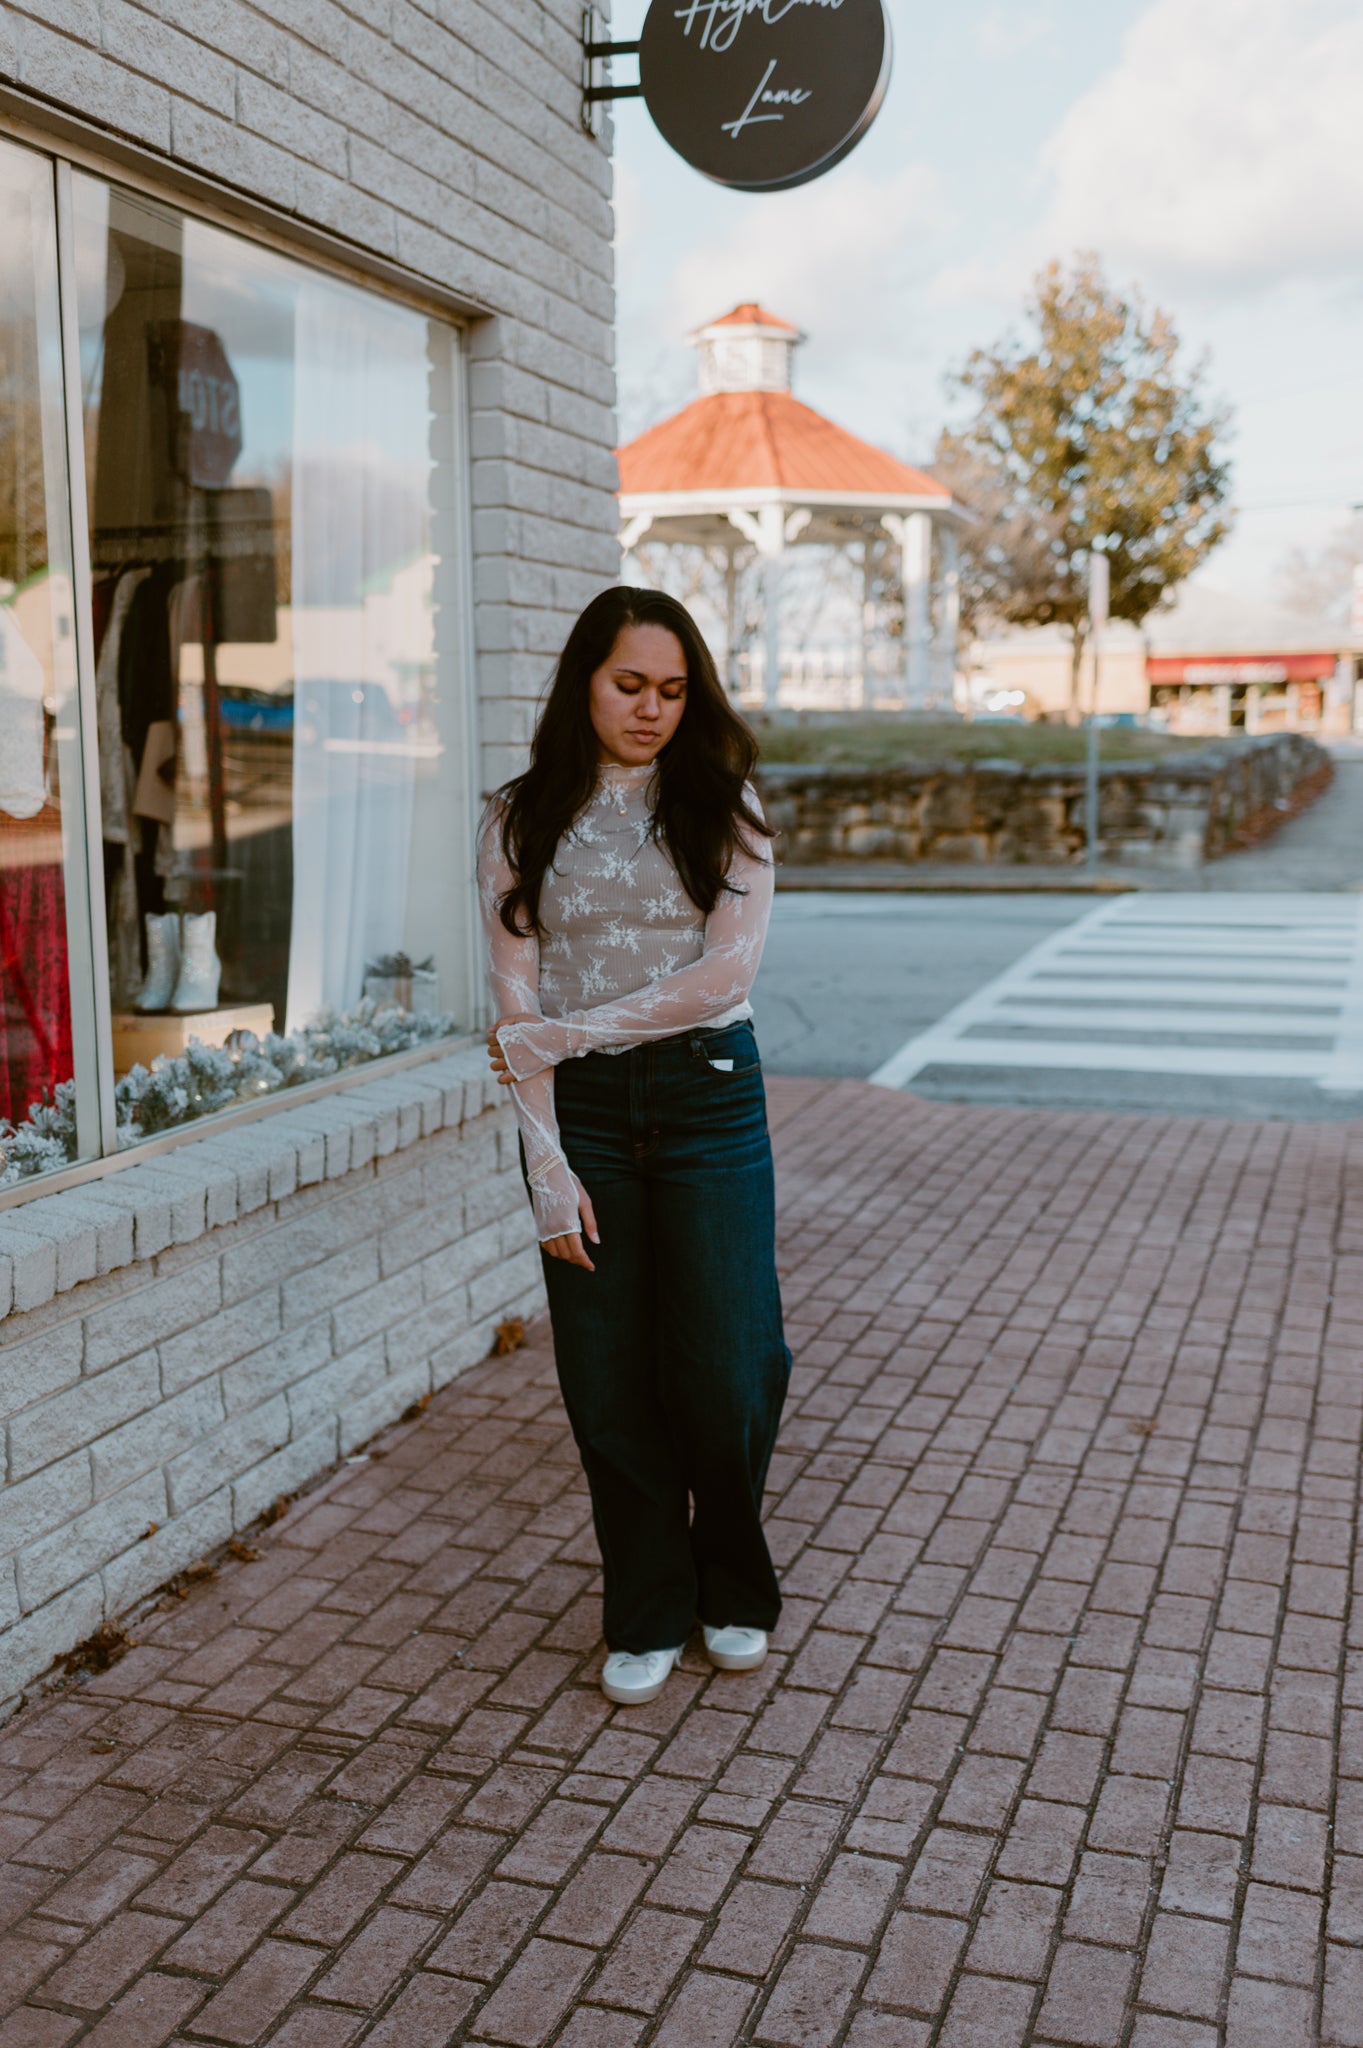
(748, 467)
(748, 350)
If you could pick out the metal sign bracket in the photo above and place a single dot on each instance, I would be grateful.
(597, 52)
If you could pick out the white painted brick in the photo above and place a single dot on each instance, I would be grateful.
(509, 1277)
(65, 71)
(338, 1278)
(291, 1247)
(82, 1546)
(112, 1226)
(247, 1440)
(156, 1437)
(70, 1238)
(158, 51)
(32, 1369)
(145, 1198)
(51, 1429)
(263, 1374)
(30, 1646)
(377, 1309)
(218, 1339)
(9, 1595)
(6, 1284)
(51, 1498)
(494, 1195)
(337, 1386)
(428, 1328)
(182, 1540)
(33, 1262)
(426, 1230)
(288, 1469)
(373, 1411)
(458, 1262)
(152, 1312)
(189, 1174)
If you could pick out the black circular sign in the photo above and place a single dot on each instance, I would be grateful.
(764, 94)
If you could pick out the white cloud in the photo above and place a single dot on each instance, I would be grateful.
(1223, 151)
(1002, 31)
(837, 257)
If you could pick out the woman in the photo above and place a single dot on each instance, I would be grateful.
(626, 883)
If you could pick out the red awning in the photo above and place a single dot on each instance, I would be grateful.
(1239, 668)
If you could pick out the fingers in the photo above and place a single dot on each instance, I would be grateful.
(584, 1203)
(570, 1248)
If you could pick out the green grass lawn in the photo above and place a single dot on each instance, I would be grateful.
(886, 742)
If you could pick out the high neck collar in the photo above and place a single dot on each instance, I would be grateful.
(615, 772)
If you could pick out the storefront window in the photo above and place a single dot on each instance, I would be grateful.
(43, 922)
(233, 770)
(269, 457)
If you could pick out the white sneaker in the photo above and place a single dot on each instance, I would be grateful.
(633, 1678)
(735, 1649)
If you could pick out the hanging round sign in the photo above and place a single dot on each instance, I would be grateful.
(764, 94)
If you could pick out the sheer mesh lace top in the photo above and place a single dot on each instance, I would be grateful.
(626, 957)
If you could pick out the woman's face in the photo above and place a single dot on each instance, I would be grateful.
(638, 695)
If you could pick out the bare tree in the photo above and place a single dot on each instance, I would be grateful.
(1320, 582)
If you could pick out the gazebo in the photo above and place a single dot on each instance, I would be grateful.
(748, 465)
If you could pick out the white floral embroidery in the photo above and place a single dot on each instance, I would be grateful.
(665, 904)
(577, 904)
(593, 978)
(620, 922)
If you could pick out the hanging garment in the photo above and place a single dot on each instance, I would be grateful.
(35, 1002)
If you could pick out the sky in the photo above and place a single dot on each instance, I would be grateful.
(1210, 151)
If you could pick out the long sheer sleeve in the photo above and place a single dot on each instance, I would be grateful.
(513, 973)
(735, 932)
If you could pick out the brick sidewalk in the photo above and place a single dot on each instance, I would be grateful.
(1061, 1742)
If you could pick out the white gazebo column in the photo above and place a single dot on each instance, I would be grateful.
(913, 531)
(766, 529)
(949, 611)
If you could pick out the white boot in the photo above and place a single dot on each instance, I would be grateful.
(200, 968)
(163, 962)
(735, 1649)
(632, 1679)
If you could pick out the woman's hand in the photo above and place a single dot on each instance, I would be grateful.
(495, 1053)
(570, 1245)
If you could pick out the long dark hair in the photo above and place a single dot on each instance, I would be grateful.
(701, 816)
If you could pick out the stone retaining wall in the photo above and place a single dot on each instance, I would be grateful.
(185, 1340)
(1157, 813)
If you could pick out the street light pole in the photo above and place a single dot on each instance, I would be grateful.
(1098, 596)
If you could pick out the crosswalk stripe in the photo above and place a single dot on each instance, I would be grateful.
(1160, 985)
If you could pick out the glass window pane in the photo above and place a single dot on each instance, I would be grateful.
(43, 920)
(269, 455)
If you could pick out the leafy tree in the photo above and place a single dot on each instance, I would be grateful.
(1086, 434)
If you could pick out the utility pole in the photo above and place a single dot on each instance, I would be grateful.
(1098, 595)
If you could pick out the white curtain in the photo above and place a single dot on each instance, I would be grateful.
(359, 525)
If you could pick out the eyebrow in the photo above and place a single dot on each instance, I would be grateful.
(640, 677)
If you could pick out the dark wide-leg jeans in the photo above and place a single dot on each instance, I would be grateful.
(671, 1355)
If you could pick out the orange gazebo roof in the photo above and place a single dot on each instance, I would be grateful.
(763, 440)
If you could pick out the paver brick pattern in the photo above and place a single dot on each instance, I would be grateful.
(1061, 1740)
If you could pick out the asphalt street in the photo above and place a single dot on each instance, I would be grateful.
(851, 979)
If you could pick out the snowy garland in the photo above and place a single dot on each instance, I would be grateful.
(181, 1088)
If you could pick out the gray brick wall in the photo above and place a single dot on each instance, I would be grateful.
(443, 135)
(361, 1252)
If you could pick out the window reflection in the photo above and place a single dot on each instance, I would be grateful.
(269, 456)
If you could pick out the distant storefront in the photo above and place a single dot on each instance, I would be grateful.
(1260, 692)
(1211, 664)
